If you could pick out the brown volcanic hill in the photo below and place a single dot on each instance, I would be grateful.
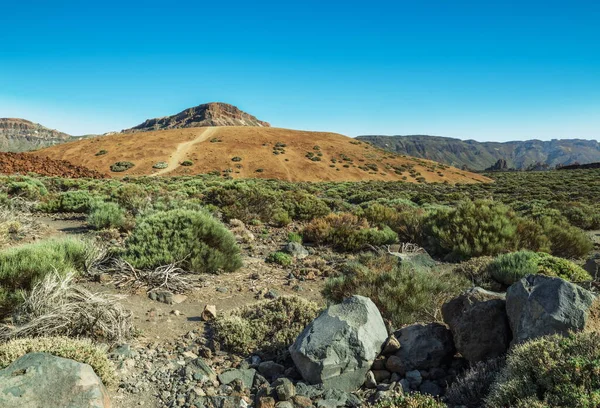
(254, 152)
(208, 114)
(23, 163)
(19, 135)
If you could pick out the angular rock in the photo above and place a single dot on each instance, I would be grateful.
(266, 402)
(302, 401)
(539, 305)
(430, 388)
(246, 375)
(209, 313)
(338, 347)
(479, 324)
(270, 369)
(423, 346)
(391, 345)
(284, 389)
(218, 402)
(296, 250)
(414, 378)
(370, 381)
(163, 296)
(592, 266)
(44, 380)
(200, 371)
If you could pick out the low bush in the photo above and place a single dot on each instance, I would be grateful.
(195, 239)
(413, 400)
(24, 266)
(347, 232)
(473, 228)
(473, 386)
(509, 268)
(121, 166)
(552, 371)
(566, 240)
(80, 350)
(101, 152)
(28, 188)
(105, 215)
(477, 271)
(294, 237)
(160, 165)
(77, 201)
(280, 258)
(187, 163)
(403, 292)
(269, 326)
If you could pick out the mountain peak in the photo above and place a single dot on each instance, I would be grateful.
(205, 115)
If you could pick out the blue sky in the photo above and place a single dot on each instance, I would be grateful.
(486, 70)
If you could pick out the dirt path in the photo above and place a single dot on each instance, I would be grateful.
(182, 150)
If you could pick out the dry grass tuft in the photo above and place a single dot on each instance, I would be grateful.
(81, 350)
(57, 307)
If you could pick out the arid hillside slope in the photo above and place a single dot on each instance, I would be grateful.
(22, 163)
(253, 152)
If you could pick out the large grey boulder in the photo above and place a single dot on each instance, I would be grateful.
(539, 305)
(338, 348)
(423, 346)
(44, 380)
(479, 324)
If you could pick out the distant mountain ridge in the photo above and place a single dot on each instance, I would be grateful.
(20, 135)
(479, 156)
(205, 115)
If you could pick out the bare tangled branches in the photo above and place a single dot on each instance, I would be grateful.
(56, 306)
(168, 277)
(16, 225)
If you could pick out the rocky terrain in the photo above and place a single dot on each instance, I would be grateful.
(478, 156)
(23, 163)
(19, 135)
(208, 114)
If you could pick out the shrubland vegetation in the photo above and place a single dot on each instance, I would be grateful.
(523, 223)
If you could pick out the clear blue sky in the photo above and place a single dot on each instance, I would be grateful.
(487, 70)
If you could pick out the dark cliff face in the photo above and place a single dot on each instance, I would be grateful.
(209, 114)
(519, 155)
(19, 135)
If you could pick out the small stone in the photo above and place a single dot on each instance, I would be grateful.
(272, 294)
(391, 346)
(431, 388)
(379, 363)
(270, 369)
(394, 364)
(177, 299)
(209, 313)
(176, 312)
(284, 404)
(163, 296)
(222, 289)
(370, 381)
(284, 389)
(381, 375)
(414, 378)
(301, 401)
(266, 402)
(189, 354)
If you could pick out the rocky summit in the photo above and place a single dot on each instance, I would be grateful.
(19, 135)
(205, 115)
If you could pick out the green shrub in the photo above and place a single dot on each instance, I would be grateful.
(160, 165)
(101, 152)
(403, 292)
(187, 163)
(566, 240)
(473, 228)
(121, 166)
(29, 188)
(77, 201)
(80, 350)
(413, 400)
(552, 371)
(477, 271)
(236, 159)
(347, 232)
(294, 237)
(22, 267)
(194, 238)
(269, 326)
(105, 215)
(509, 268)
(280, 258)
